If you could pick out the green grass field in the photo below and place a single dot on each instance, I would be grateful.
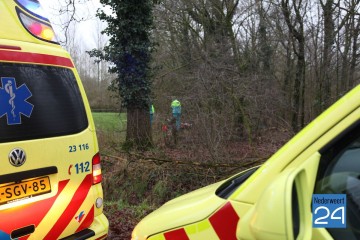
(110, 130)
(109, 122)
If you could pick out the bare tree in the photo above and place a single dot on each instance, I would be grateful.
(293, 13)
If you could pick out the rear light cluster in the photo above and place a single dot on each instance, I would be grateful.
(36, 28)
(40, 29)
(97, 175)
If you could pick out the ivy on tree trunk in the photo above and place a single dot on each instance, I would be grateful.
(129, 49)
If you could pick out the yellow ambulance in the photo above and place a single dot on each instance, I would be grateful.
(309, 189)
(50, 174)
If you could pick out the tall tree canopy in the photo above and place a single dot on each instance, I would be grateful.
(129, 49)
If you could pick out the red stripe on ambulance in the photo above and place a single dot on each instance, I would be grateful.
(224, 222)
(71, 209)
(14, 56)
(87, 221)
(178, 234)
(30, 214)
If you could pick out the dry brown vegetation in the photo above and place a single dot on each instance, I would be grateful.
(136, 183)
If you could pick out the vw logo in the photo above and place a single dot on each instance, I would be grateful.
(17, 157)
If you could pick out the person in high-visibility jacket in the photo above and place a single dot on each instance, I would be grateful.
(176, 111)
(152, 112)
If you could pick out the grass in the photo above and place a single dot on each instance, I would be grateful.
(110, 130)
(109, 122)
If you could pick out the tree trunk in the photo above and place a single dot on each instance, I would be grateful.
(138, 131)
(355, 55)
(297, 32)
(329, 38)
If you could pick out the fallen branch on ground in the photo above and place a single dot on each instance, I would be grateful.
(249, 161)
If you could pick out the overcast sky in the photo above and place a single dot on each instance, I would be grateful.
(85, 29)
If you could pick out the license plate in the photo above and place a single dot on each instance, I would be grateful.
(24, 190)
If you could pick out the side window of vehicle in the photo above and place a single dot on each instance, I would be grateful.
(339, 173)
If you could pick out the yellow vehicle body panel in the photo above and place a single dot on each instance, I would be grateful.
(234, 217)
(65, 156)
(174, 213)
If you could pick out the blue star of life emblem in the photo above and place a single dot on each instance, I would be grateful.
(13, 101)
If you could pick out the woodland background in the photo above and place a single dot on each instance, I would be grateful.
(249, 74)
(241, 67)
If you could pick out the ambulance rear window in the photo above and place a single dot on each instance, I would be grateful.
(39, 102)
